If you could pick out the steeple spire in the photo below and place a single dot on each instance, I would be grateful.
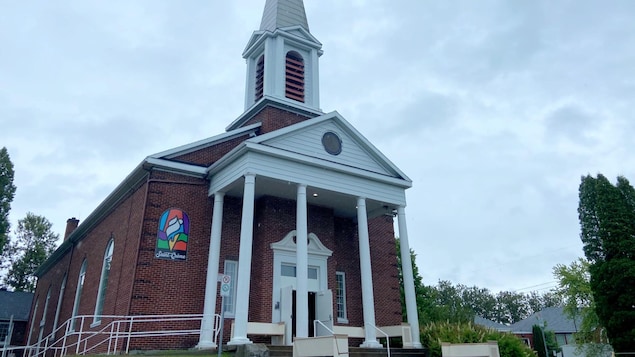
(282, 64)
(283, 13)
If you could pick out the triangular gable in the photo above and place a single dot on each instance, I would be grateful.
(305, 139)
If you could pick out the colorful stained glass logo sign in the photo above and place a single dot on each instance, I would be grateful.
(174, 229)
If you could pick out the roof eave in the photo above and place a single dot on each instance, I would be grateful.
(133, 180)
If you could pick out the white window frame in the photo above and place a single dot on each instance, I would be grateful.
(78, 293)
(46, 307)
(37, 304)
(43, 320)
(340, 290)
(103, 282)
(4, 332)
(59, 305)
(230, 267)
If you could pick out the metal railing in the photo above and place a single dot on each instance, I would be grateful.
(337, 346)
(113, 334)
(387, 337)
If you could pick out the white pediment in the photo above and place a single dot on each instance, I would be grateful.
(306, 139)
(315, 247)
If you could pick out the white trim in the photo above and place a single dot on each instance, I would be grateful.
(342, 320)
(231, 299)
(60, 298)
(315, 247)
(284, 252)
(201, 144)
(347, 127)
(179, 167)
(103, 281)
(81, 278)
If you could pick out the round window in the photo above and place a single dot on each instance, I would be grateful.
(332, 143)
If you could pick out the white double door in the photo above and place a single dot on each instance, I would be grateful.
(320, 312)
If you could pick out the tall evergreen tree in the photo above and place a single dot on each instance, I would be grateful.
(540, 345)
(34, 243)
(7, 192)
(607, 220)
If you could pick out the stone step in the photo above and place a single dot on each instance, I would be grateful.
(287, 351)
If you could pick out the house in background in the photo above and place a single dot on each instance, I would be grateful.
(493, 325)
(291, 205)
(552, 319)
(14, 309)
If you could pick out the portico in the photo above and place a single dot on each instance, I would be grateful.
(262, 167)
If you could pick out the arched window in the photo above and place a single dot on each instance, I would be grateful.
(60, 298)
(260, 77)
(294, 77)
(78, 293)
(103, 282)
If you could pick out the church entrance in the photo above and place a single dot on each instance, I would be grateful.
(285, 283)
(311, 313)
(320, 309)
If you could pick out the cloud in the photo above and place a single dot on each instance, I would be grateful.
(494, 109)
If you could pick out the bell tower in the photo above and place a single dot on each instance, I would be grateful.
(282, 59)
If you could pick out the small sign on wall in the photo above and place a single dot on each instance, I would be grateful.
(172, 236)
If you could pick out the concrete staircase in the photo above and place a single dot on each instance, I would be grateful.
(287, 351)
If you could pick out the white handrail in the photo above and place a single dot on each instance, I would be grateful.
(115, 334)
(321, 323)
(337, 346)
(385, 334)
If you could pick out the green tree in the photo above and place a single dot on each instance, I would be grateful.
(452, 307)
(574, 287)
(607, 221)
(540, 345)
(7, 192)
(511, 307)
(33, 244)
(421, 292)
(537, 302)
(481, 301)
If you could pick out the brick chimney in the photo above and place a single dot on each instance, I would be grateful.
(71, 225)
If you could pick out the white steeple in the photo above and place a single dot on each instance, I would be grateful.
(283, 13)
(282, 58)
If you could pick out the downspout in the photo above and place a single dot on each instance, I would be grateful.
(143, 218)
(141, 226)
(125, 244)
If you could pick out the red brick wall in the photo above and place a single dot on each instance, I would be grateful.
(383, 255)
(273, 118)
(140, 284)
(346, 259)
(207, 156)
(122, 224)
(165, 286)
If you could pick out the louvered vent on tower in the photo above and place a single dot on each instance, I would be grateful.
(294, 83)
(260, 77)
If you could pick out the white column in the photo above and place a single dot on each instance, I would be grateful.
(315, 79)
(244, 263)
(211, 283)
(408, 278)
(302, 266)
(368, 301)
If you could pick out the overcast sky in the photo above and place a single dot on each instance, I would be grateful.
(493, 108)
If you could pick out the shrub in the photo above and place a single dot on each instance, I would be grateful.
(434, 333)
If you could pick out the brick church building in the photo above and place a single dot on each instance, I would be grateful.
(293, 204)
